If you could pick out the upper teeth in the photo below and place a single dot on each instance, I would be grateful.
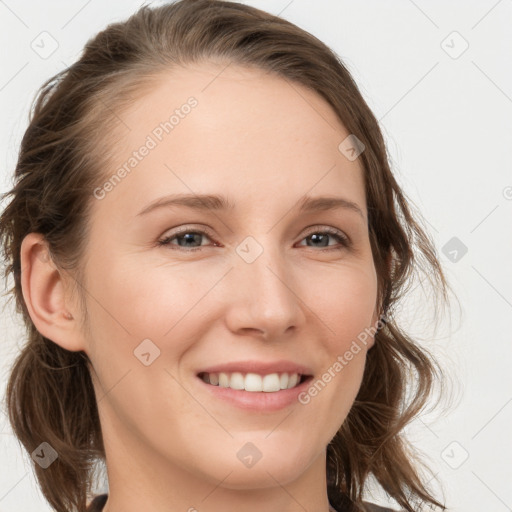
(253, 381)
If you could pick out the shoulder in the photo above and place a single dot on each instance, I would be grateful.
(341, 503)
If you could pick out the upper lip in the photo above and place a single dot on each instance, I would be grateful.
(261, 367)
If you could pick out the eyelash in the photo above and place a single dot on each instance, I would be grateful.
(342, 239)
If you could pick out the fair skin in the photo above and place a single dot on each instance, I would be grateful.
(169, 444)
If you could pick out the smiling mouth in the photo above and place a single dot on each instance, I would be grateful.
(253, 382)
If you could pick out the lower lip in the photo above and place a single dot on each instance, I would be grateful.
(259, 401)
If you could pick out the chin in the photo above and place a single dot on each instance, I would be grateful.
(260, 464)
(262, 476)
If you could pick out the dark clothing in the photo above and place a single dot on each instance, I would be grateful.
(99, 502)
(371, 507)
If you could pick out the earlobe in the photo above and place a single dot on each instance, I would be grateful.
(44, 292)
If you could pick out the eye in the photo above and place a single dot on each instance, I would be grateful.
(188, 238)
(322, 236)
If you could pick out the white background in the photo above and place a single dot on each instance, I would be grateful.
(447, 119)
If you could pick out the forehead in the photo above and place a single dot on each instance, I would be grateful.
(248, 131)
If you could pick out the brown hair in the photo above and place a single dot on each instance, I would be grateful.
(50, 396)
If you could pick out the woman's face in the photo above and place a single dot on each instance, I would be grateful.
(260, 281)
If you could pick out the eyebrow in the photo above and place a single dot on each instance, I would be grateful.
(208, 202)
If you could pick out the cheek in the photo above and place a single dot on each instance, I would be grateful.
(345, 304)
(128, 306)
(346, 308)
(133, 300)
(141, 302)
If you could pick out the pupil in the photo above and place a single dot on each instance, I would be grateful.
(189, 237)
(317, 236)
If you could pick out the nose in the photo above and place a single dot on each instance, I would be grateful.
(264, 295)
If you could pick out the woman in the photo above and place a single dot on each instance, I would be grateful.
(261, 369)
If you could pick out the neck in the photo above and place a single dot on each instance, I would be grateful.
(142, 479)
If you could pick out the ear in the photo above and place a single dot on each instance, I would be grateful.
(44, 291)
